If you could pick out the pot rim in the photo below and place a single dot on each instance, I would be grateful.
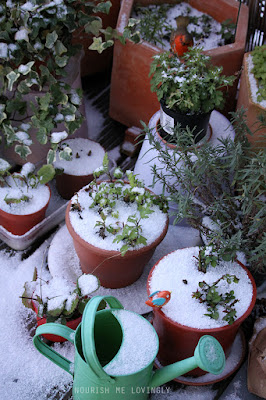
(173, 146)
(227, 327)
(109, 253)
(29, 215)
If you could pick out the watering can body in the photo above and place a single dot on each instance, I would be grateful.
(103, 340)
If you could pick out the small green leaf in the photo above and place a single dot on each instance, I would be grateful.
(46, 173)
(51, 38)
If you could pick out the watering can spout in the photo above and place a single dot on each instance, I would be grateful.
(208, 355)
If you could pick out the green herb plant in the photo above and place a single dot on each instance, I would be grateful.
(220, 189)
(58, 308)
(209, 294)
(259, 61)
(105, 196)
(188, 86)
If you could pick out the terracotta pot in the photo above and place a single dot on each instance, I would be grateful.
(253, 110)
(20, 224)
(73, 324)
(113, 270)
(178, 341)
(93, 62)
(131, 99)
(68, 184)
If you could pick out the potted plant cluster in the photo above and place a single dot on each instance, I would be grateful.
(206, 298)
(219, 189)
(116, 226)
(24, 196)
(40, 88)
(59, 301)
(77, 171)
(188, 90)
(131, 65)
(252, 91)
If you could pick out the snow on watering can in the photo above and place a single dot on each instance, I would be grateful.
(114, 354)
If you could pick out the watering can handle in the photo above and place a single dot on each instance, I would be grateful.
(47, 351)
(87, 333)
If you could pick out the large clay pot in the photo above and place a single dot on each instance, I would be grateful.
(253, 110)
(178, 341)
(112, 269)
(131, 99)
(20, 224)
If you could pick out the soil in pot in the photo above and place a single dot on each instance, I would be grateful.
(182, 321)
(197, 123)
(22, 207)
(87, 155)
(97, 252)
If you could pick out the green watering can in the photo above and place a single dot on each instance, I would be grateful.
(114, 354)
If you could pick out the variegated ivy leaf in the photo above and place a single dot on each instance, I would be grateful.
(104, 7)
(97, 45)
(51, 156)
(94, 27)
(4, 166)
(23, 150)
(65, 154)
(24, 69)
(51, 38)
(108, 43)
(60, 48)
(3, 116)
(46, 173)
(10, 134)
(61, 61)
(12, 77)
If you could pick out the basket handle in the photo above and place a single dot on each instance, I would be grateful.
(87, 333)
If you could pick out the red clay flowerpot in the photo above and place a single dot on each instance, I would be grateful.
(113, 270)
(73, 324)
(20, 224)
(177, 342)
(131, 99)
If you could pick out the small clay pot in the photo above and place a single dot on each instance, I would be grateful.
(178, 341)
(113, 270)
(20, 224)
(72, 324)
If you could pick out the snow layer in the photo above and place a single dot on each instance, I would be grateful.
(152, 227)
(86, 157)
(139, 345)
(25, 373)
(182, 308)
(38, 198)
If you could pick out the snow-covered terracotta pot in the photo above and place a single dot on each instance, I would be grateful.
(72, 324)
(247, 98)
(18, 224)
(131, 99)
(178, 341)
(87, 155)
(112, 269)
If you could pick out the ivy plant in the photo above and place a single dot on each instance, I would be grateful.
(190, 85)
(36, 48)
